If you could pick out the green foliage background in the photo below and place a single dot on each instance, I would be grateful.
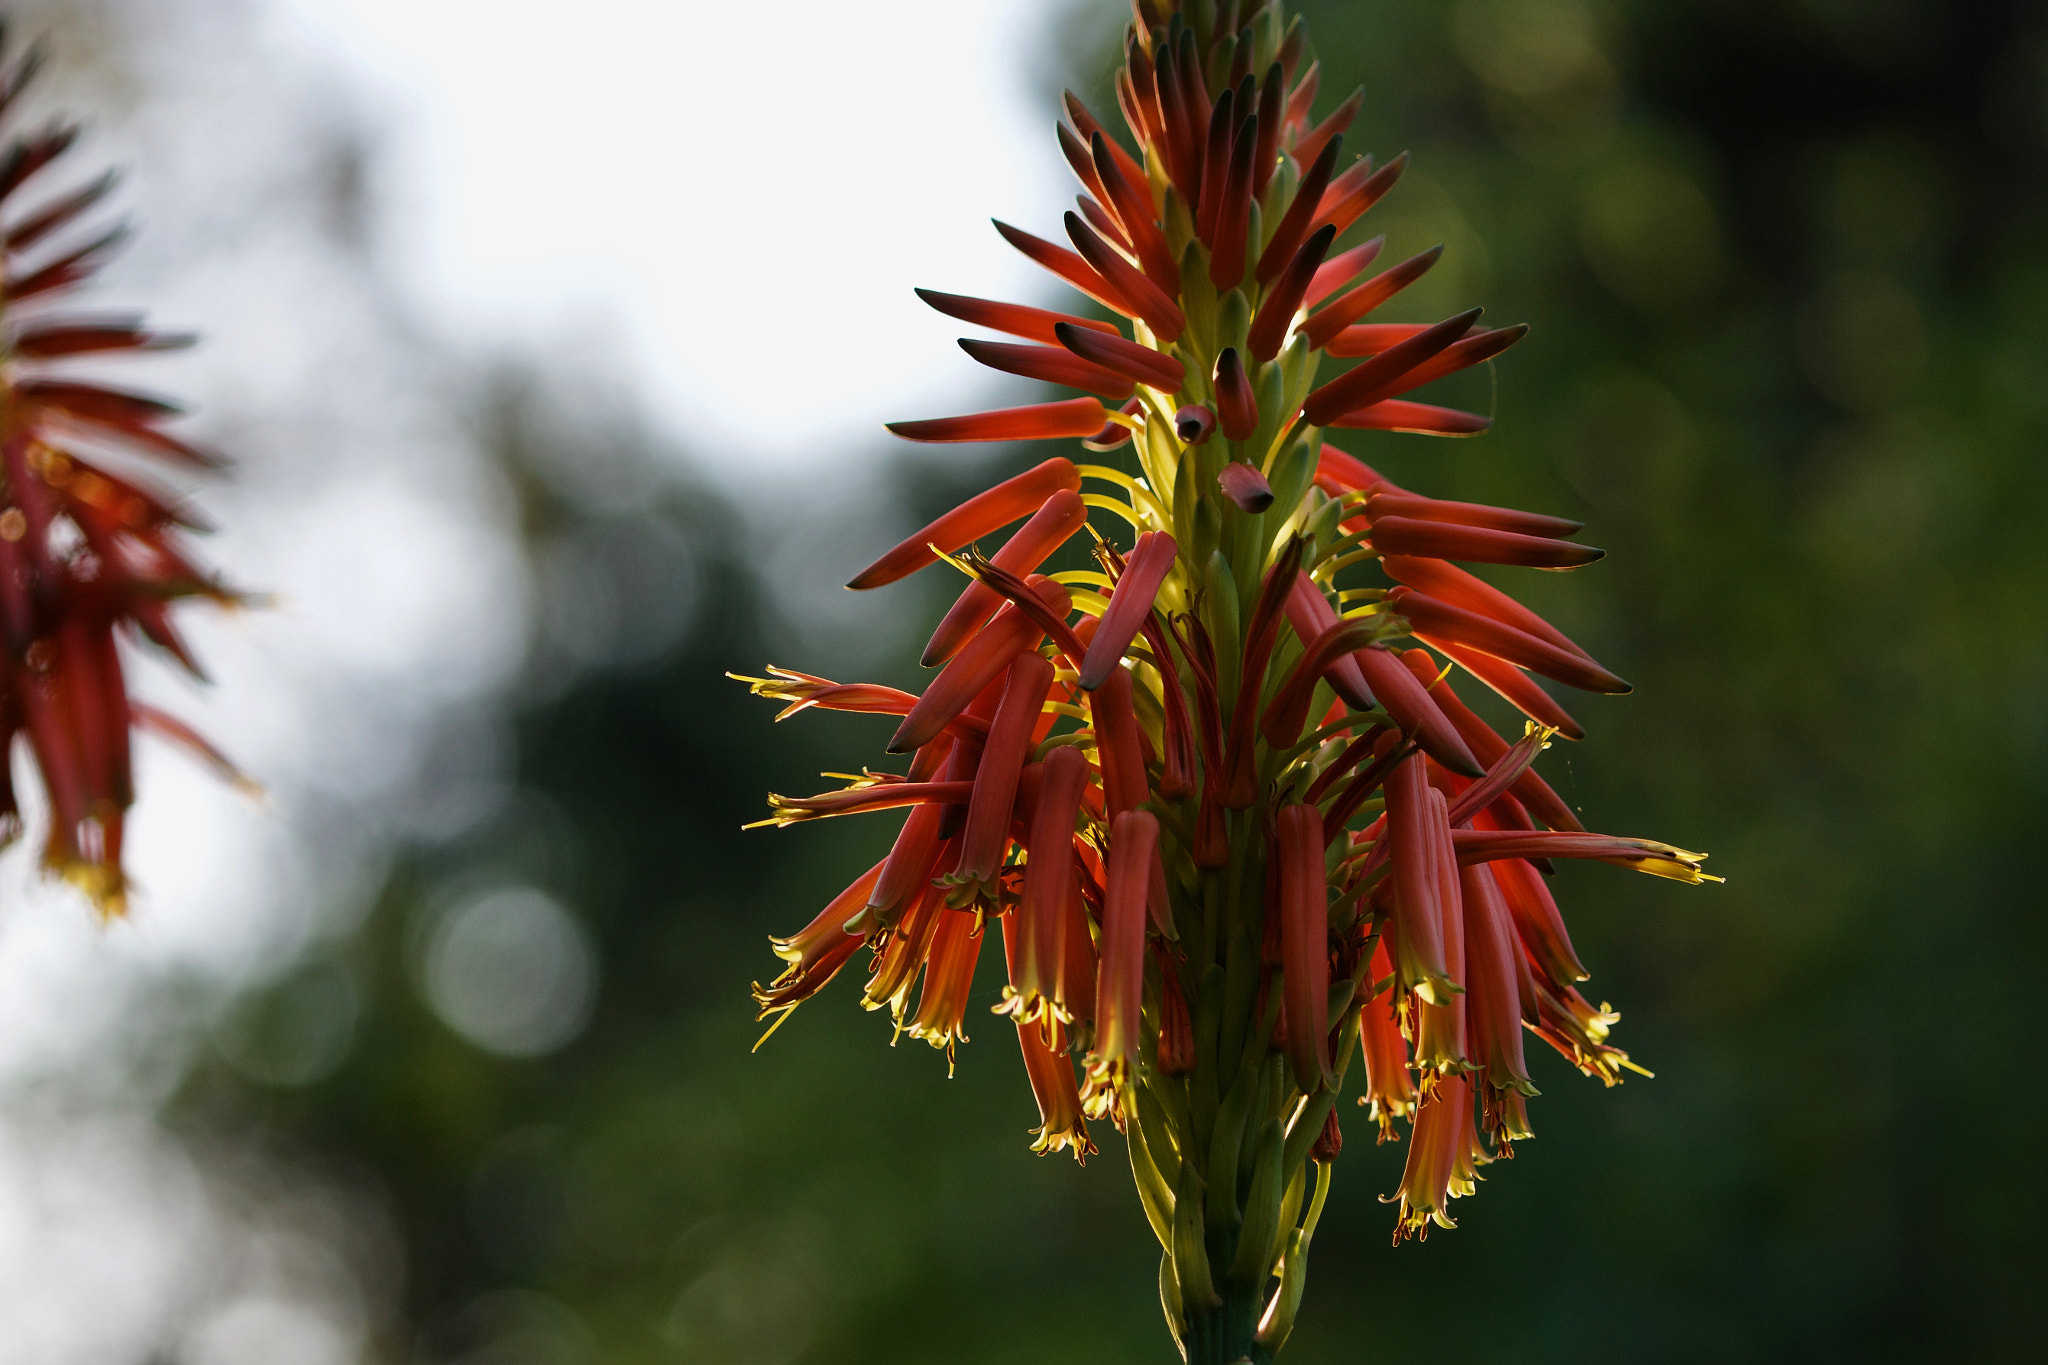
(1787, 271)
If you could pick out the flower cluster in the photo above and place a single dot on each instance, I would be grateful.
(89, 552)
(1219, 790)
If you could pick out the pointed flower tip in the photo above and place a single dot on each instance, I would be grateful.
(1037, 422)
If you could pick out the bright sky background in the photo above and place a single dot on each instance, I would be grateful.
(734, 212)
(621, 191)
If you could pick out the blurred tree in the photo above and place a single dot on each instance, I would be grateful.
(1787, 268)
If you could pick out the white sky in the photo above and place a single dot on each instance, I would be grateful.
(714, 203)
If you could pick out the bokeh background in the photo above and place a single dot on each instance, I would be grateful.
(551, 342)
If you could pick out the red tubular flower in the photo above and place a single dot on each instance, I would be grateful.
(1440, 1030)
(1130, 606)
(1274, 120)
(816, 952)
(1324, 327)
(867, 795)
(1237, 407)
(1348, 198)
(1299, 99)
(1489, 747)
(1215, 164)
(1491, 791)
(1340, 270)
(981, 515)
(1414, 710)
(1133, 209)
(1050, 527)
(1421, 419)
(1420, 878)
(1176, 805)
(1389, 1089)
(1467, 351)
(1441, 1160)
(1227, 254)
(1391, 504)
(1120, 755)
(1644, 855)
(994, 794)
(1569, 1023)
(1060, 1124)
(1312, 617)
(1074, 999)
(1069, 267)
(1177, 734)
(901, 952)
(1113, 432)
(1493, 1005)
(1537, 922)
(86, 554)
(1260, 635)
(1038, 422)
(1371, 338)
(1120, 983)
(1048, 878)
(1510, 682)
(1293, 228)
(1441, 620)
(1176, 1026)
(1014, 318)
(1127, 358)
(1318, 139)
(1288, 711)
(1276, 314)
(1482, 544)
(1305, 956)
(977, 663)
(1089, 127)
(1020, 594)
(1054, 365)
(1147, 300)
(941, 1018)
(803, 691)
(910, 862)
(1449, 583)
(1381, 376)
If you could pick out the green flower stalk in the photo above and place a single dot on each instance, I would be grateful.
(1244, 842)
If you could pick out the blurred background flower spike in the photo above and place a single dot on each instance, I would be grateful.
(92, 553)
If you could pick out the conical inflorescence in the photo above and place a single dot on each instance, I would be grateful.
(1243, 843)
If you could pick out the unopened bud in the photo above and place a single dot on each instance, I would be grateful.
(1193, 424)
(1329, 1142)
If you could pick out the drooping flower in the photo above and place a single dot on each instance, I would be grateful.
(92, 554)
(1219, 788)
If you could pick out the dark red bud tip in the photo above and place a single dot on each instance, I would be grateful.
(1236, 406)
(1193, 424)
(1246, 487)
(1330, 1142)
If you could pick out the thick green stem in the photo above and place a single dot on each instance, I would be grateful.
(1227, 1334)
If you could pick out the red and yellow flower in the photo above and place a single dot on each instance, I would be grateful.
(1219, 788)
(92, 556)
